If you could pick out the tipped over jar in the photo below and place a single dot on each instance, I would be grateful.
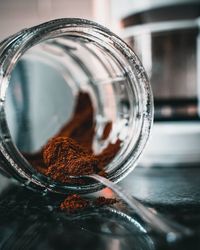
(44, 72)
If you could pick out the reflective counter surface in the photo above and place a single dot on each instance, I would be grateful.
(30, 220)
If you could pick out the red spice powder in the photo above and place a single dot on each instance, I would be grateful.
(74, 203)
(81, 127)
(102, 201)
(107, 130)
(70, 153)
(64, 156)
(106, 156)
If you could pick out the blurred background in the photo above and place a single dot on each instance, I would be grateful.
(165, 36)
(16, 15)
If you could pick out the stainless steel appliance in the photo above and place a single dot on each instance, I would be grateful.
(166, 38)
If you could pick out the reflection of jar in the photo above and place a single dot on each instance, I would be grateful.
(45, 67)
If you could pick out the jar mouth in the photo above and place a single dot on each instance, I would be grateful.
(123, 79)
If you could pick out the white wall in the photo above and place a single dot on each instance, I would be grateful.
(18, 14)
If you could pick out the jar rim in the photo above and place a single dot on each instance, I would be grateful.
(20, 43)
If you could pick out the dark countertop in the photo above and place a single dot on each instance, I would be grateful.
(165, 185)
(30, 220)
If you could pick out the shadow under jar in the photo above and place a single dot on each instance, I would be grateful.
(43, 69)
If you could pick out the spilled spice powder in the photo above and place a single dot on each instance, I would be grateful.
(74, 141)
(74, 203)
(81, 127)
(64, 156)
(106, 156)
(107, 130)
(102, 201)
(70, 152)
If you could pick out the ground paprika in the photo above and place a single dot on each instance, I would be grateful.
(75, 202)
(70, 152)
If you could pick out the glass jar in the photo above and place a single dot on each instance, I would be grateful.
(43, 69)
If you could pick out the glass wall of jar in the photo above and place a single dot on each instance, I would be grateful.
(43, 69)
